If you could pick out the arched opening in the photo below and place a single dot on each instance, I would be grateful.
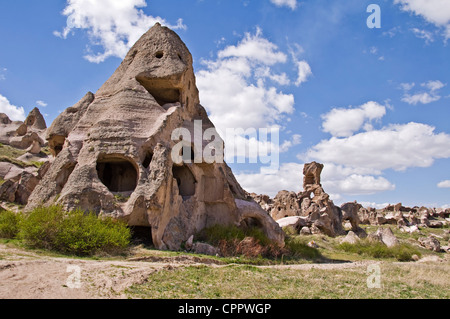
(118, 174)
(250, 223)
(56, 144)
(185, 180)
(147, 160)
(141, 235)
(162, 90)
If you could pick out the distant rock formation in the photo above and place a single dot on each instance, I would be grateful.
(24, 135)
(28, 138)
(113, 152)
(313, 207)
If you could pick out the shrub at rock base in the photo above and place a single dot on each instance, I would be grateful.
(73, 232)
(401, 252)
(9, 224)
(252, 243)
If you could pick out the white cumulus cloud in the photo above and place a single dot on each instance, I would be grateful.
(444, 184)
(41, 103)
(343, 122)
(434, 11)
(395, 147)
(423, 97)
(233, 88)
(15, 113)
(304, 72)
(337, 180)
(267, 181)
(114, 25)
(285, 3)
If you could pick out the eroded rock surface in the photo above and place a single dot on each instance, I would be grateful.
(114, 151)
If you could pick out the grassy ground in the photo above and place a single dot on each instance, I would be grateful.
(10, 154)
(326, 272)
(402, 281)
(299, 279)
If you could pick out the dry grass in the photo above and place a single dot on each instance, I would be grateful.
(398, 281)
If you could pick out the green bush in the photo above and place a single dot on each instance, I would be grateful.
(298, 249)
(217, 233)
(9, 224)
(401, 252)
(74, 232)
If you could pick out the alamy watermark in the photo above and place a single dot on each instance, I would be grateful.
(251, 145)
(374, 20)
(374, 276)
(74, 279)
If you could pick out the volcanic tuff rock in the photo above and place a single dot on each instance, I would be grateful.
(23, 135)
(313, 204)
(113, 152)
(25, 139)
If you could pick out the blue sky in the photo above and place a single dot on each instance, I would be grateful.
(372, 104)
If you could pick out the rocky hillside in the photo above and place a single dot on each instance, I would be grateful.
(23, 156)
(311, 212)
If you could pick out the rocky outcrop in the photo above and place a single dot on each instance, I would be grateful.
(430, 243)
(134, 140)
(35, 120)
(350, 213)
(26, 134)
(18, 190)
(313, 204)
(20, 175)
(65, 123)
(404, 217)
(386, 236)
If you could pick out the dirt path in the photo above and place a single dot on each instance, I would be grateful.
(26, 275)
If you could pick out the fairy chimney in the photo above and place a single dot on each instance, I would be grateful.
(114, 151)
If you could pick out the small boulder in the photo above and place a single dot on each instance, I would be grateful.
(205, 249)
(424, 220)
(351, 238)
(435, 224)
(189, 243)
(387, 237)
(295, 221)
(305, 231)
(430, 243)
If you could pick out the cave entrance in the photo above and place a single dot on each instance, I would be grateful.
(162, 90)
(185, 180)
(118, 174)
(250, 223)
(148, 160)
(141, 235)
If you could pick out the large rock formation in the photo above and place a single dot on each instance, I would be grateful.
(20, 174)
(24, 135)
(115, 154)
(313, 203)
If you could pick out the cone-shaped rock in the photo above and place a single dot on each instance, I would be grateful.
(115, 151)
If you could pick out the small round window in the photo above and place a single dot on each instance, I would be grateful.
(159, 54)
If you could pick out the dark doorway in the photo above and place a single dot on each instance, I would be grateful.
(141, 235)
(185, 180)
(148, 159)
(118, 174)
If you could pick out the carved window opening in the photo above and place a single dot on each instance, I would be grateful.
(185, 180)
(148, 159)
(118, 174)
